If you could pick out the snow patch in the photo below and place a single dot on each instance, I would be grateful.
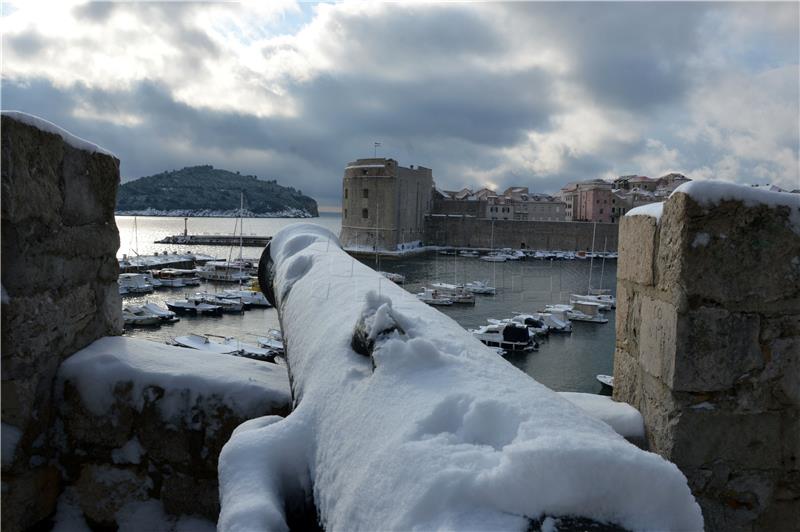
(130, 453)
(623, 418)
(654, 210)
(711, 193)
(701, 240)
(187, 376)
(49, 127)
(705, 405)
(69, 517)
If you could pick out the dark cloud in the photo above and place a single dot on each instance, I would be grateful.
(27, 45)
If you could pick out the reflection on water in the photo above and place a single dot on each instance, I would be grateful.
(563, 362)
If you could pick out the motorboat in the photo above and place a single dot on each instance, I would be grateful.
(606, 380)
(176, 277)
(273, 340)
(480, 287)
(455, 292)
(235, 271)
(513, 254)
(225, 346)
(152, 280)
(468, 253)
(227, 304)
(134, 283)
(164, 314)
(434, 297)
(250, 298)
(134, 316)
(509, 336)
(394, 277)
(581, 311)
(494, 257)
(534, 323)
(556, 321)
(606, 302)
(192, 306)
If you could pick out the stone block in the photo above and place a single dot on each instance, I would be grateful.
(626, 378)
(637, 241)
(702, 437)
(186, 495)
(85, 429)
(713, 349)
(103, 490)
(658, 322)
(90, 187)
(29, 497)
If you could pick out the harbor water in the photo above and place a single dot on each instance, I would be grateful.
(564, 362)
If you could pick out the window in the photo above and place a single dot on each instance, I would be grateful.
(365, 213)
(364, 172)
(365, 194)
(613, 201)
(345, 193)
(601, 210)
(345, 213)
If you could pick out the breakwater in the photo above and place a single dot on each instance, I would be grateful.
(216, 240)
(469, 232)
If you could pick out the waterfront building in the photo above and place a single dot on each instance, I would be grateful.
(384, 204)
(588, 201)
(515, 203)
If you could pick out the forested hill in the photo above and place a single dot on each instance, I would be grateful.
(208, 191)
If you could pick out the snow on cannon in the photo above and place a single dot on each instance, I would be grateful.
(403, 421)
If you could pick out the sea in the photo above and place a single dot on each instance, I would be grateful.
(564, 362)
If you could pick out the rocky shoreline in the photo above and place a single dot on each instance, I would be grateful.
(208, 213)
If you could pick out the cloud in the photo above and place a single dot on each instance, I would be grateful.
(536, 94)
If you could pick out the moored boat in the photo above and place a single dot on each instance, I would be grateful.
(134, 283)
(134, 316)
(434, 297)
(510, 337)
(188, 306)
(606, 380)
(480, 287)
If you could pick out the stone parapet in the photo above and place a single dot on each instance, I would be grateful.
(708, 348)
(59, 272)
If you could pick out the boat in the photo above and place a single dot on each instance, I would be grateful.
(273, 340)
(606, 380)
(581, 311)
(190, 306)
(228, 304)
(133, 316)
(134, 283)
(224, 346)
(455, 292)
(164, 314)
(607, 302)
(468, 253)
(534, 323)
(434, 297)
(152, 280)
(480, 287)
(394, 277)
(494, 257)
(556, 321)
(234, 271)
(249, 298)
(176, 277)
(510, 337)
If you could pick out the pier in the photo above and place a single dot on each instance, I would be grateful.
(216, 240)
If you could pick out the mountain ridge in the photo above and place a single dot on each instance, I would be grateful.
(207, 191)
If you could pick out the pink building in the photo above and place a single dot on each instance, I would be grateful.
(589, 201)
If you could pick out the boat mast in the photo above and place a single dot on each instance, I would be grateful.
(241, 225)
(603, 264)
(591, 259)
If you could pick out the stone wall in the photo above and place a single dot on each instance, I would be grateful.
(708, 349)
(59, 273)
(480, 233)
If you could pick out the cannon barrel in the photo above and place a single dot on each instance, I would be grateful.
(402, 420)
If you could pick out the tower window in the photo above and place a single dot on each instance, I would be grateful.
(365, 194)
(345, 193)
(345, 213)
(365, 213)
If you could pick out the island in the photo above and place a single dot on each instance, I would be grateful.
(208, 191)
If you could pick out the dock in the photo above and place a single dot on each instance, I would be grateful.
(216, 240)
(142, 263)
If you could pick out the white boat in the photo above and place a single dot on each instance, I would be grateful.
(494, 257)
(163, 314)
(455, 292)
(556, 321)
(234, 271)
(581, 311)
(479, 287)
(224, 346)
(468, 253)
(134, 283)
(250, 298)
(176, 277)
(394, 277)
(533, 322)
(434, 297)
(273, 340)
(510, 337)
(137, 316)
(606, 380)
(152, 280)
(607, 302)
(228, 304)
(188, 306)
(512, 254)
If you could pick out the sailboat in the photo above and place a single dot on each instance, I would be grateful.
(230, 271)
(599, 296)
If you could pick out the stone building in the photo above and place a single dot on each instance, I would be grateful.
(515, 203)
(588, 201)
(384, 204)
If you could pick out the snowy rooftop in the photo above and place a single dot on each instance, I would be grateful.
(49, 127)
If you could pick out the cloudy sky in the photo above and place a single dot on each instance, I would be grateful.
(533, 94)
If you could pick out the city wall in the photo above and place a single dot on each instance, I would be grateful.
(461, 231)
(708, 349)
(59, 281)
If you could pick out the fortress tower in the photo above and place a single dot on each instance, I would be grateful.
(384, 204)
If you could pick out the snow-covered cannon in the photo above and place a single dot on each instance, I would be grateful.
(403, 421)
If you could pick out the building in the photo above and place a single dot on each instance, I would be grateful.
(384, 204)
(588, 201)
(515, 203)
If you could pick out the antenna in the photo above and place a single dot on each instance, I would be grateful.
(375, 149)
